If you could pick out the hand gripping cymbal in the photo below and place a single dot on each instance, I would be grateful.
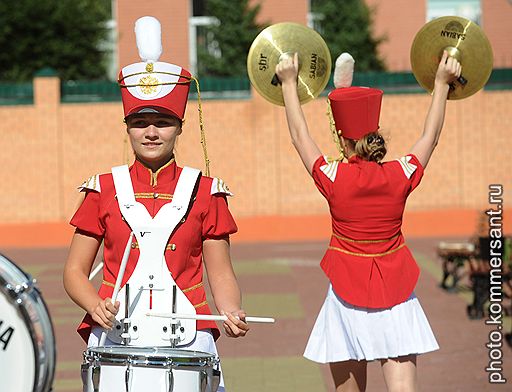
(464, 40)
(284, 39)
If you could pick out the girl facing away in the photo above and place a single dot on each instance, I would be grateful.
(371, 311)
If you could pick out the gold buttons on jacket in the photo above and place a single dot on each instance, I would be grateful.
(173, 247)
(155, 195)
(134, 245)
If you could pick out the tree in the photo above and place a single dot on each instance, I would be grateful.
(346, 26)
(61, 34)
(227, 43)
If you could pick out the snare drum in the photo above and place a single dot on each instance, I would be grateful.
(27, 345)
(156, 369)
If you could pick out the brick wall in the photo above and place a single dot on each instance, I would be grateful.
(50, 148)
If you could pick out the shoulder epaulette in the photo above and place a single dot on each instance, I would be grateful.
(92, 183)
(330, 169)
(407, 167)
(219, 186)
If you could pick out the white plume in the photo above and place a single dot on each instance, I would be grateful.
(344, 70)
(148, 33)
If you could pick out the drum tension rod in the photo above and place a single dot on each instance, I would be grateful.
(126, 321)
(174, 339)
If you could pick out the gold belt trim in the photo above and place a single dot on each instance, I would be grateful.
(364, 241)
(200, 304)
(108, 283)
(366, 254)
(196, 286)
(135, 245)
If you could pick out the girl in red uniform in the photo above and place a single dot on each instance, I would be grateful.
(371, 312)
(154, 99)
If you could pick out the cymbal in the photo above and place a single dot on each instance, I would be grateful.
(464, 40)
(284, 39)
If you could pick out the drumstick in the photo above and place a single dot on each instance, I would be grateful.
(96, 270)
(209, 317)
(119, 279)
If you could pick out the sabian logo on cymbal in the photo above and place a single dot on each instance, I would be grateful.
(317, 66)
(263, 62)
(312, 66)
(454, 30)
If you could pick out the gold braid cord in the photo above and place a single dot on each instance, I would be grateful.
(199, 108)
(335, 136)
(201, 126)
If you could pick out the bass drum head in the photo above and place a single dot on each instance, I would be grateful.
(27, 344)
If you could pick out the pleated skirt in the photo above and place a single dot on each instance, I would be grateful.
(343, 331)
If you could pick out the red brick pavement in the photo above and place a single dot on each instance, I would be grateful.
(458, 366)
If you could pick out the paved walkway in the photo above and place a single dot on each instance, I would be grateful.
(284, 281)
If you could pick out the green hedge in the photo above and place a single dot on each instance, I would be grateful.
(228, 88)
(16, 94)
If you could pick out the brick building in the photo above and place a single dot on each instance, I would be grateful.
(180, 19)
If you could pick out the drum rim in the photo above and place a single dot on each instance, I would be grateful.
(156, 357)
(42, 379)
(155, 350)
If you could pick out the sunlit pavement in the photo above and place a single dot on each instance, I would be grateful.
(284, 281)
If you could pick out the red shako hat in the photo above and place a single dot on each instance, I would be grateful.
(355, 110)
(151, 86)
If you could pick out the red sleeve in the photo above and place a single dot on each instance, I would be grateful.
(322, 182)
(87, 217)
(416, 177)
(218, 222)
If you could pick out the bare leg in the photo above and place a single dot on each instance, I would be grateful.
(400, 374)
(349, 376)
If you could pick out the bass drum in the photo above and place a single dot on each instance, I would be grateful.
(27, 344)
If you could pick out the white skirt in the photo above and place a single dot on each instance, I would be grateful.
(203, 342)
(343, 331)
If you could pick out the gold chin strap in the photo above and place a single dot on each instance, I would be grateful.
(199, 107)
(335, 135)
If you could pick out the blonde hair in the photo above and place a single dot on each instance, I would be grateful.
(371, 147)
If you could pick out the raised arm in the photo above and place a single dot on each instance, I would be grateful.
(449, 70)
(287, 71)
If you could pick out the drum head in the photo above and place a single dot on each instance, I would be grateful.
(27, 346)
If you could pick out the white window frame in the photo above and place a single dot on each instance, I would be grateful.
(193, 23)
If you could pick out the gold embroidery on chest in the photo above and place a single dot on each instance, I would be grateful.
(152, 195)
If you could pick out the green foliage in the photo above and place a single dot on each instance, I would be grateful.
(231, 38)
(346, 26)
(61, 34)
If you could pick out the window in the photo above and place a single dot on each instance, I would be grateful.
(469, 9)
(314, 18)
(199, 35)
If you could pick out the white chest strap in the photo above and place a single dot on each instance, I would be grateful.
(151, 272)
(153, 233)
(182, 194)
